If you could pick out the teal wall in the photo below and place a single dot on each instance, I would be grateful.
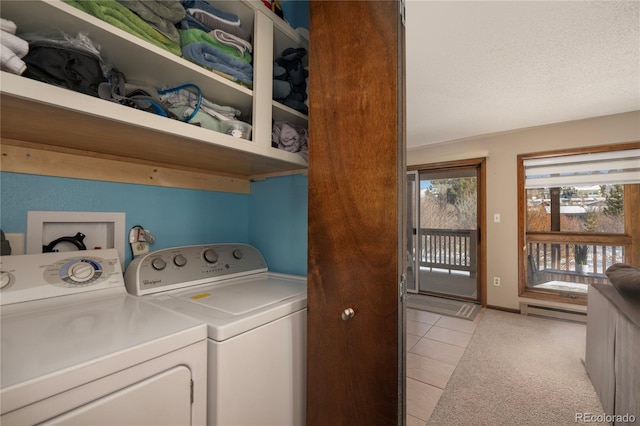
(278, 222)
(176, 216)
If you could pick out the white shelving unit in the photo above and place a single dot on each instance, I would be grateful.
(52, 118)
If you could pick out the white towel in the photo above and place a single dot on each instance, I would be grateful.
(10, 62)
(17, 45)
(8, 26)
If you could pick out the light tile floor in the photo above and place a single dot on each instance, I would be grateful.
(435, 344)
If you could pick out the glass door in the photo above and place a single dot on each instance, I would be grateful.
(447, 235)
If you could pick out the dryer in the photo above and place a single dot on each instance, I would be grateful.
(77, 349)
(256, 327)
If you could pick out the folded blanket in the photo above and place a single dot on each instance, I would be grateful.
(209, 57)
(190, 22)
(227, 39)
(199, 36)
(163, 15)
(10, 62)
(119, 16)
(8, 26)
(17, 45)
(204, 6)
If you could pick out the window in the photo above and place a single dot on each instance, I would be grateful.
(579, 213)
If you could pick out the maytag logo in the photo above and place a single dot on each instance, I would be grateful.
(151, 282)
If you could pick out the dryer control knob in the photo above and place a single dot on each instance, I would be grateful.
(179, 260)
(158, 264)
(237, 253)
(210, 255)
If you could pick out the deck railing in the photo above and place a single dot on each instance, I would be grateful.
(450, 249)
(557, 261)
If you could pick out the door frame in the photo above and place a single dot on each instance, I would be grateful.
(413, 226)
(480, 164)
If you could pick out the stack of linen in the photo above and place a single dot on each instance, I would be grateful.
(151, 20)
(193, 29)
(12, 48)
(215, 40)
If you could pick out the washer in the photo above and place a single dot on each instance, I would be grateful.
(77, 349)
(256, 327)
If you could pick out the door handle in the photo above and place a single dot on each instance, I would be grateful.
(347, 314)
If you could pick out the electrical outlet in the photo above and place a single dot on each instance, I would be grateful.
(496, 281)
(497, 218)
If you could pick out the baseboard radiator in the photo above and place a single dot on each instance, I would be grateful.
(546, 310)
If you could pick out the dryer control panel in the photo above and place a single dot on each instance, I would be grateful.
(42, 276)
(186, 266)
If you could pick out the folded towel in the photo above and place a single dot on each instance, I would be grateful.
(159, 14)
(8, 26)
(227, 39)
(17, 45)
(10, 62)
(190, 22)
(204, 16)
(119, 16)
(167, 10)
(204, 6)
(290, 137)
(199, 36)
(209, 57)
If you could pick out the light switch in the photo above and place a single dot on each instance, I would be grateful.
(496, 218)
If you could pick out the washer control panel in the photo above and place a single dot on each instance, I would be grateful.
(40, 276)
(181, 267)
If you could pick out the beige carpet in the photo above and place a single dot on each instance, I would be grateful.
(519, 370)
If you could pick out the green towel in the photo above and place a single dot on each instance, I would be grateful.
(119, 16)
(161, 15)
(195, 35)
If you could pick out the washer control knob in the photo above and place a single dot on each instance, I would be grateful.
(158, 264)
(179, 260)
(210, 255)
(81, 272)
(237, 253)
(5, 279)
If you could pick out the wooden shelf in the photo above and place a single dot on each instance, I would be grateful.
(36, 112)
(57, 119)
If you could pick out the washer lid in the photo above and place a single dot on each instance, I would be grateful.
(241, 304)
(245, 297)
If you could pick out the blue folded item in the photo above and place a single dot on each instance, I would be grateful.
(208, 56)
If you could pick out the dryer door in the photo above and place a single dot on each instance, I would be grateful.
(164, 399)
(161, 399)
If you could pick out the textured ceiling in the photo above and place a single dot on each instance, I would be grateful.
(481, 67)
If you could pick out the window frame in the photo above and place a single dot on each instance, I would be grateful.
(630, 239)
